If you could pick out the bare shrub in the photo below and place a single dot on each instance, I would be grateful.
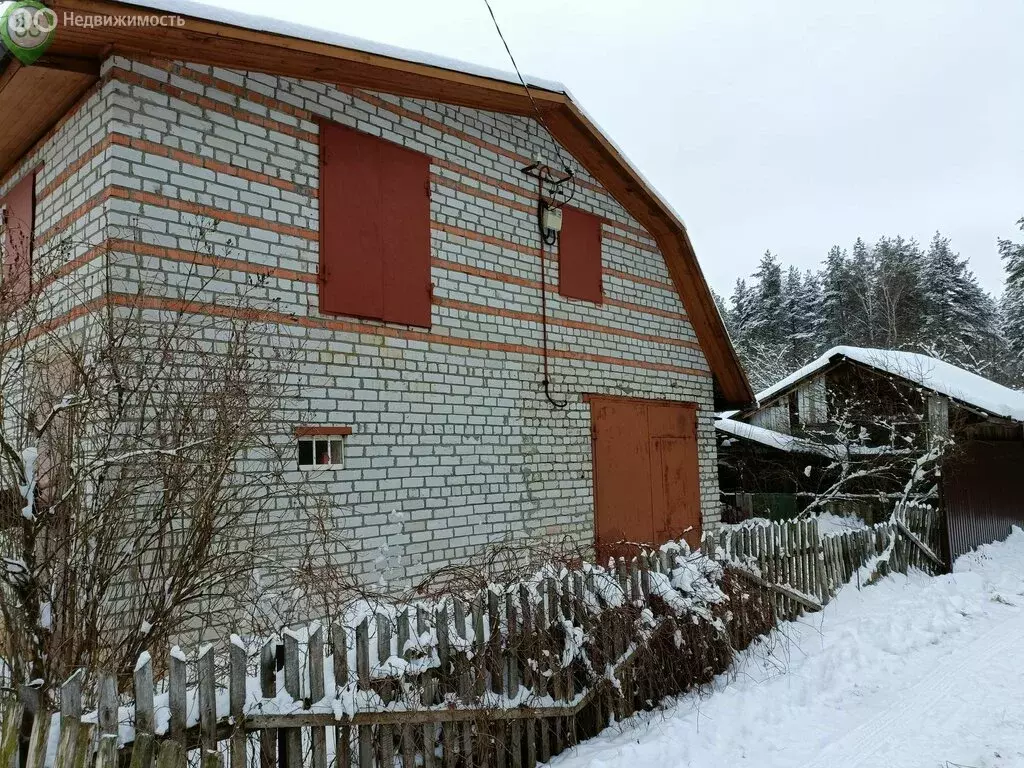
(141, 454)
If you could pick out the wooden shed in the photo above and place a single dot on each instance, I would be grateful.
(776, 456)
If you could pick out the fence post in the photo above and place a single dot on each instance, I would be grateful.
(236, 691)
(363, 673)
(207, 699)
(145, 722)
(268, 689)
(106, 719)
(176, 676)
(339, 650)
(70, 720)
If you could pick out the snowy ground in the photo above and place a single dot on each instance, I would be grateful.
(914, 671)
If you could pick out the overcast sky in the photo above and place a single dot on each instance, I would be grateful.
(789, 125)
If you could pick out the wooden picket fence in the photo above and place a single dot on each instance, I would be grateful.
(803, 569)
(507, 678)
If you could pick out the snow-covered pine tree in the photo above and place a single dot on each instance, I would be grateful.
(837, 298)
(891, 294)
(802, 304)
(740, 314)
(812, 319)
(723, 310)
(898, 291)
(1012, 305)
(768, 312)
(959, 318)
(795, 338)
(862, 324)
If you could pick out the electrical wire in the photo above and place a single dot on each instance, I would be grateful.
(545, 238)
(529, 93)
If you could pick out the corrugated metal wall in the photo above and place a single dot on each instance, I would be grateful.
(983, 492)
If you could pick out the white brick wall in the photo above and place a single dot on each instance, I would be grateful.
(450, 425)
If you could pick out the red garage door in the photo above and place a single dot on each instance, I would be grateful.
(646, 476)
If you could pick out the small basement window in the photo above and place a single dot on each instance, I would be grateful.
(322, 447)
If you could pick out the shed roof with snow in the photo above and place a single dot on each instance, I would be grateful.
(927, 372)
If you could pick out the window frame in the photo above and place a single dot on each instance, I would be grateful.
(333, 438)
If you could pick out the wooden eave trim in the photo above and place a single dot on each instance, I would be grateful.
(8, 73)
(568, 124)
(80, 64)
(213, 29)
(47, 130)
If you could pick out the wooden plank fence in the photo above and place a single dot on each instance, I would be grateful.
(508, 677)
(804, 569)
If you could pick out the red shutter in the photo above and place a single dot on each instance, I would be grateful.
(405, 203)
(351, 267)
(579, 256)
(374, 228)
(20, 215)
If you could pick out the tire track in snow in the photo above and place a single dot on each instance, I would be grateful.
(954, 676)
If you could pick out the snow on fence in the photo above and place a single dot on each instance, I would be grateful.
(509, 677)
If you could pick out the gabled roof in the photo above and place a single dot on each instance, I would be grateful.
(927, 372)
(41, 94)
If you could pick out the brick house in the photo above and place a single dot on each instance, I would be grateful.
(383, 193)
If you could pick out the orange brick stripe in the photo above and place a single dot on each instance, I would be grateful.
(647, 310)
(530, 208)
(49, 326)
(468, 269)
(489, 274)
(348, 326)
(444, 181)
(229, 264)
(632, 241)
(160, 201)
(528, 317)
(65, 221)
(276, 105)
(437, 125)
(204, 102)
(209, 260)
(483, 178)
(641, 239)
(664, 285)
(271, 103)
(217, 262)
(529, 250)
(216, 310)
(226, 86)
(83, 160)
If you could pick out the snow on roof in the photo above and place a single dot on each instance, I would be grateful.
(320, 35)
(928, 372)
(791, 444)
(767, 437)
